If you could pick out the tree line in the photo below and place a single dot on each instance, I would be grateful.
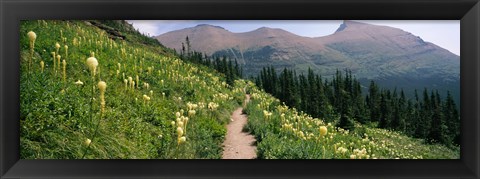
(230, 68)
(340, 99)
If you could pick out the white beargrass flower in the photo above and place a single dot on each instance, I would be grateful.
(54, 61)
(145, 98)
(32, 36)
(87, 142)
(92, 64)
(182, 140)
(179, 131)
(138, 81)
(58, 61)
(64, 63)
(323, 130)
(191, 113)
(57, 47)
(130, 81)
(42, 65)
(66, 51)
(79, 82)
(102, 86)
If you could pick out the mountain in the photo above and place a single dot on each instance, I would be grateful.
(390, 56)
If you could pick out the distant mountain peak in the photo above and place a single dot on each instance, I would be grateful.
(350, 24)
(268, 29)
(208, 25)
(271, 31)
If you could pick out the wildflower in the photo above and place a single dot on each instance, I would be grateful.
(58, 61)
(54, 63)
(79, 82)
(66, 51)
(353, 156)
(92, 64)
(87, 142)
(267, 114)
(323, 131)
(102, 86)
(151, 93)
(182, 140)
(179, 131)
(42, 65)
(75, 41)
(32, 36)
(64, 70)
(191, 113)
(126, 83)
(130, 81)
(173, 123)
(138, 81)
(180, 123)
(145, 98)
(57, 47)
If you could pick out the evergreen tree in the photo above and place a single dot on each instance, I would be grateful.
(374, 102)
(452, 119)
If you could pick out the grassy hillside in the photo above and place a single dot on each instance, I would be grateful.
(59, 116)
(285, 133)
(156, 106)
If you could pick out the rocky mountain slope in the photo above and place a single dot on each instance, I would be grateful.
(390, 56)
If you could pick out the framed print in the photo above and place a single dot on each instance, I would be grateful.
(323, 89)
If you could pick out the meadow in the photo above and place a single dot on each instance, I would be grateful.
(91, 93)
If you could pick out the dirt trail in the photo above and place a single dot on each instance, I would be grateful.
(238, 144)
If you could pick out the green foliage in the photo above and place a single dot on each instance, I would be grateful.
(289, 134)
(341, 97)
(58, 117)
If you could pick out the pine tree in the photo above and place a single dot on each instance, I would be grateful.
(452, 119)
(374, 102)
(437, 128)
(188, 47)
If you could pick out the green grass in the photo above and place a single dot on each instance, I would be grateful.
(57, 116)
(296, 135)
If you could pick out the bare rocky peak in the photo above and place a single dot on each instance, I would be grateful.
(209, 39)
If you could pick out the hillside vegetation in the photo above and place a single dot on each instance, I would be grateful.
(285, 133)
(151, 97)
(143, 102)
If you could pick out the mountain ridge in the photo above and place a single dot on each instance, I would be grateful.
(371, 52)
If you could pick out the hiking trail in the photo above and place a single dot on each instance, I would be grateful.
(239, 144)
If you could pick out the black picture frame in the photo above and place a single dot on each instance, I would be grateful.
(12, 11)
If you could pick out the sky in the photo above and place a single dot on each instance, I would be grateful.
(444, 33)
